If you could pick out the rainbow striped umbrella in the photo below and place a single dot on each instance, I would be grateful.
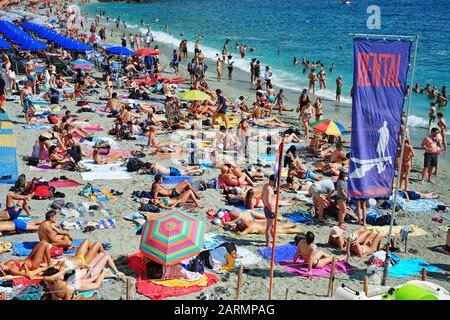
(330, 127)
(169, 238)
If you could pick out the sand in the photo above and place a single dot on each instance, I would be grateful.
(256, 278)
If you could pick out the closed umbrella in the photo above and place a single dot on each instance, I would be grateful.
(146, 52)
(169, 238)
(329, 127)
(123, 51)
(194, 95)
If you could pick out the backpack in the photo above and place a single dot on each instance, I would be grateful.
(134, 164)
(42, 191)
(86, 191)
(30, 187)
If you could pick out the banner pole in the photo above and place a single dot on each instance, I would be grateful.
(397, 184)
(280, 168)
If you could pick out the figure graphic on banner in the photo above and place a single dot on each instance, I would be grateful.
(380, 162)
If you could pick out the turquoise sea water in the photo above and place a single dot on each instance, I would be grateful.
(315, 30)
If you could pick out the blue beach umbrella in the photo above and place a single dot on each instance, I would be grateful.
(33, 46)
(4, 44)
(123, 51)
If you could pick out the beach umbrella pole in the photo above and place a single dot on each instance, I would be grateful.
(280, 168)
(397, 184)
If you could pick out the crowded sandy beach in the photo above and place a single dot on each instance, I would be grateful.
(132, 169)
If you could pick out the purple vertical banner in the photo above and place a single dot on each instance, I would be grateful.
(379, 85)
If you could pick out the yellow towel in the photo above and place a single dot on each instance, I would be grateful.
(396, 230)
(7, 140)
(202, 282)
(5, 246)
(5, 125)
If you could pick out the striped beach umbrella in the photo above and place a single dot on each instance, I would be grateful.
(330, 127)
(82, 64)
(169, 238)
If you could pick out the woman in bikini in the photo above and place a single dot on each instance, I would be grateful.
(37, 261)
(306, 116)
(57, 161)
(259, 227)
(106, 159)
(408, 155)
(318, 109)
(294, 184)
(6, 61)
(250, 202)
(443, 126)
(31, 75)
(45, 140)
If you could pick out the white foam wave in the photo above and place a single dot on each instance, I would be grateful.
(281, 78)
(417, 122)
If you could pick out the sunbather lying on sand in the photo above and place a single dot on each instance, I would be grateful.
(270, 123)
(229, 178)
(259, 227)
(298, 169)
(363, 242)
(19, 225)
(106, 159)
(37, 261)
(168, 203)
(156, 168)
(313, 257)
(294, 184)
(158, 190)
(415, 195)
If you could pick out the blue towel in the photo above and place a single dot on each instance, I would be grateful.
(173, 179)
(8, 164)
(4, 117)
(419, 205)
(298, 217)
(282, 253)
(24, 249)
(373, 214)
(411, 267)
(37, 126)
(6, 131)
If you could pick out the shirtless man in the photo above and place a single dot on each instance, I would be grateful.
(219, 67)
(308, 251)
(268, 197)
(312, 81)
(113, 103)
(338, 155)
(52, 233)
(232, 180)
(443, 127)
(441, 100)
(260, 226)
(430, 144)
(431, 115)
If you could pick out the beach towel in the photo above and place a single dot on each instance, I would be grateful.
(282, 253)
(4, 117)
(101, 195)
(23, 249)
(396, 230)
(411, 267)
(37, 126)
(111, 175)
(90, 126)
(444, 228)
(301, 269)
(173, 179)
(69, 183)
(8, 163)
(44, 167)
(158, 292)
(419, 205)
(247, 258)
(202, 282)
(5, 246)
(298, 217)
(6, 131)
(99, 224)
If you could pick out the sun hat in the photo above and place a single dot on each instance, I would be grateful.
(336, 232)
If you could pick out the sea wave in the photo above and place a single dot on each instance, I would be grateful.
(281, 78)
(417, 122)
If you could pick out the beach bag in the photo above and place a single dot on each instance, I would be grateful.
(134, 164)
(86, 191)
(211, 183)
(30, 187)
(52, 119)
(196, 265)
(42, 191)
(75, 154)
(384, 221)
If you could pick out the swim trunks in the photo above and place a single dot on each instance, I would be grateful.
(431, 160)
(21, 226)
(174, 172)
(268, 214)
(310, 175)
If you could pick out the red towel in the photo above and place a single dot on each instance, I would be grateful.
(64, 183)
(158, 292)
(25, 282)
